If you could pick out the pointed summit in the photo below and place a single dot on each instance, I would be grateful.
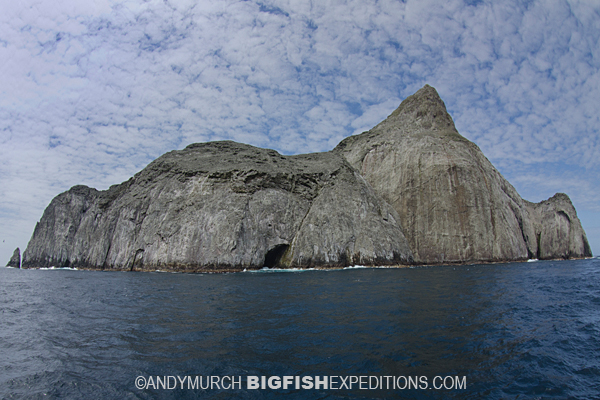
(426, 109)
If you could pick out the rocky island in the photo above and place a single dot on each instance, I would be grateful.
(411, 190)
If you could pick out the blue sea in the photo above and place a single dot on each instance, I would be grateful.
(495, 331)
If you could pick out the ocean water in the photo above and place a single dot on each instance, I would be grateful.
(498, 331)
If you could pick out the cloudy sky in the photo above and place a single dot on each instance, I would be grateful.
(91, 92)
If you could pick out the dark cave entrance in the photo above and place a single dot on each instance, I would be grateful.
(137, 262)
(273, 256)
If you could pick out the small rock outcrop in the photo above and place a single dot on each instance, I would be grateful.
(410, 190)
(15, 260)
(453, 204)
(557, 232)
(223, 206)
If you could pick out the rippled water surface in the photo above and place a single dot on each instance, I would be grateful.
(517, 331)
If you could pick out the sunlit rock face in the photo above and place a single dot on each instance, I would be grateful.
(410, 190)
(453, 204)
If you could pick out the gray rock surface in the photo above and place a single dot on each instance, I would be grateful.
(453, 204)
(15, 260)
(223, 206)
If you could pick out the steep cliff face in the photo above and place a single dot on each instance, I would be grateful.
(223, 206)
(453, 204)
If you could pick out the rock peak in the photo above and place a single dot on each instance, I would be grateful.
(426, 109)
(428, 90)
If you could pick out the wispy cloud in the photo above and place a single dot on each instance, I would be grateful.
(93, 91)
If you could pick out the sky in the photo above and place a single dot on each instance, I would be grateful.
(91, 92)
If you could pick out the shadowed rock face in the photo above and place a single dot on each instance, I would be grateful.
(453, 204)
(412, 189)
(223, 206)
(15, 260)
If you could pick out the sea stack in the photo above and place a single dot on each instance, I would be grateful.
(410, 191)
(15, 260)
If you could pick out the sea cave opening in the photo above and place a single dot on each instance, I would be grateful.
(273, 256)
